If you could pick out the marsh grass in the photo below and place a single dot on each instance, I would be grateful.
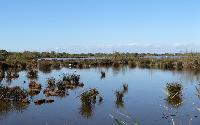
(59, 87)
(174, 94)
(32, 74)
(119, 96)
(13, 94)
(88, 100)
(89, 96)
(51, 82)
(45, 66)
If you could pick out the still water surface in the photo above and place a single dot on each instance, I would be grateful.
(144, 102)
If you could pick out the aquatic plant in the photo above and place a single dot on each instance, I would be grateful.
(33, 92)
(103, 74)
(54, 92)
(45, 66)
(13, 94)
(42, 101)
(34, 85)
(11, 74)
(174, 88)
(89, 96)
(22, 60)
(71, 79)
(88, 100)
(119, 96)
(144, 63)
(125, 88)
(55, 65)
(59, 87)
(51, 82)
(132, 64)
(32, 74)
(179, 65)
(174, 94)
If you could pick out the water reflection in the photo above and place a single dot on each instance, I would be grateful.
(198, 91)
(143, 77)
(119, 104)
(103, 75)
(86, 110)
(8, 106)
(119, 69)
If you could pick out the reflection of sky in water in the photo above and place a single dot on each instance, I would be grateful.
(143, 100)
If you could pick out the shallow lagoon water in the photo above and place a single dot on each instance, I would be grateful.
(144, 102)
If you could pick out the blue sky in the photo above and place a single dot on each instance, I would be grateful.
(77, 26)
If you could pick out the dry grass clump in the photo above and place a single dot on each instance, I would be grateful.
(13, 94)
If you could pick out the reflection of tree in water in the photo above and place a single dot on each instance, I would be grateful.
(103, 75)
(188, 76)
(86, 110)
(8, 106)
(119, 69)
(174, 94)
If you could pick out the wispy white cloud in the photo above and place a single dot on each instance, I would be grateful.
(127, 47)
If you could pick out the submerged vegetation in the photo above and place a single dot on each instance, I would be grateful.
(32, 74)
(54, 88)
(88, 99)
(174, 94)
(89, 96)
(13, 94)
(119, 96)
(60, 86)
